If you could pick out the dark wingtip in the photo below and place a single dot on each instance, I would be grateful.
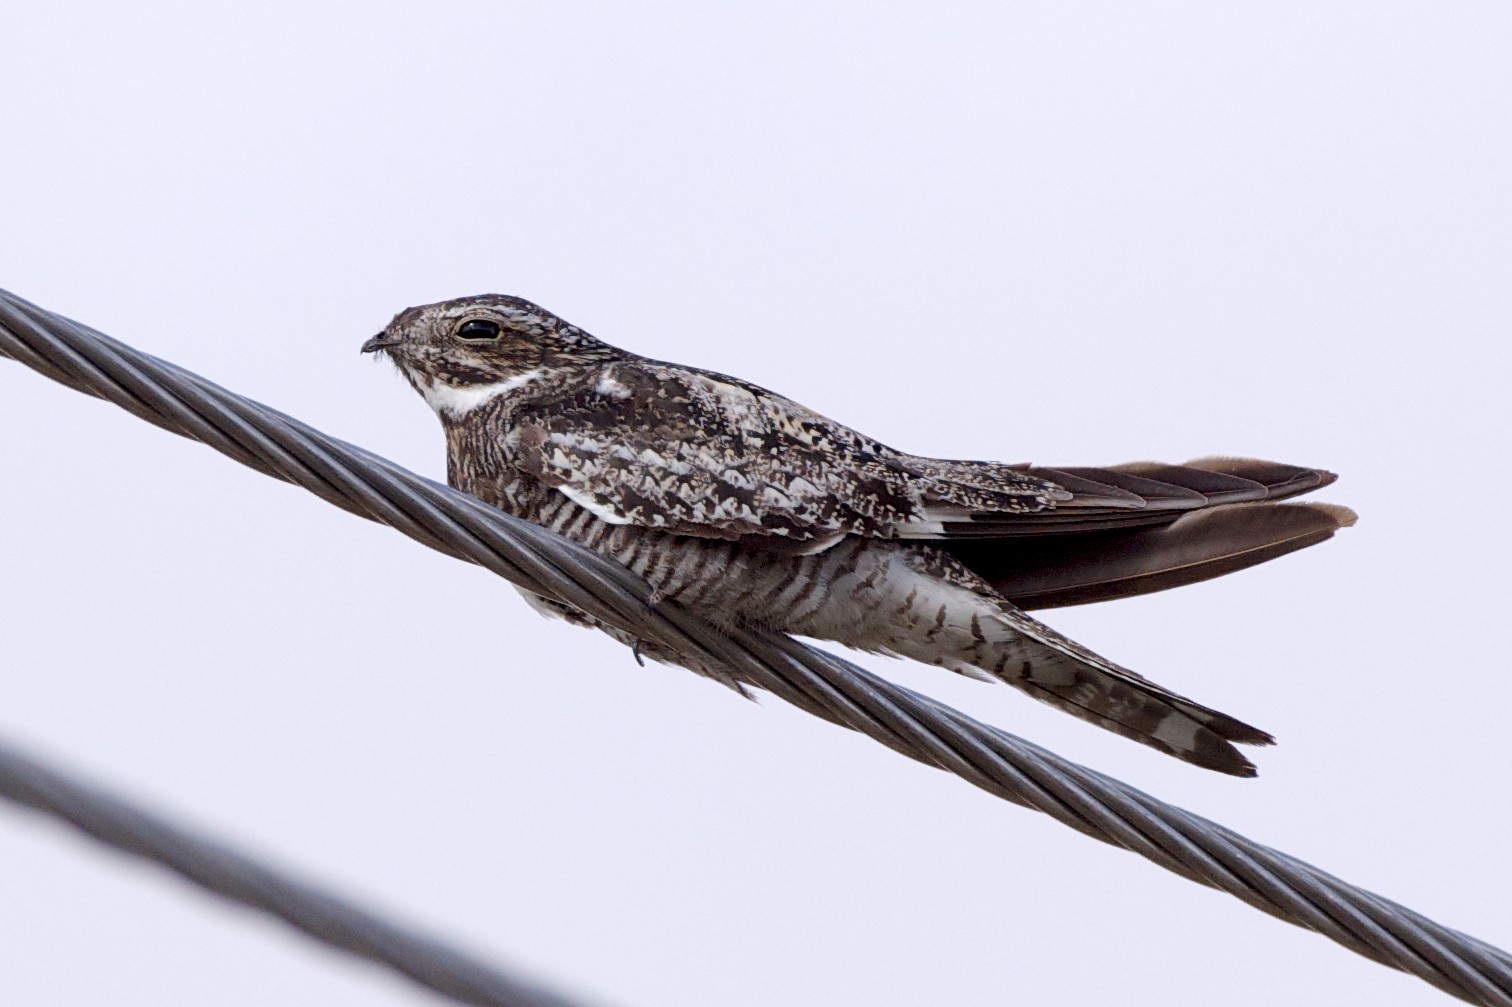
(1197, 546)
(1279, 479)
(1344, 517)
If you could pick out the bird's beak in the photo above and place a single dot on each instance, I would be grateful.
(378, 342)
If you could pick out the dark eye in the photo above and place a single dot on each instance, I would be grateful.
(478, 328)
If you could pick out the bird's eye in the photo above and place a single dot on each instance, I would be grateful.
(478, 329)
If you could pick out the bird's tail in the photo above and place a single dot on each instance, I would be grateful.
(1068, 676)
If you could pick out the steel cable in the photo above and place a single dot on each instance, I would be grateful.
(817, 682)
(233, 875)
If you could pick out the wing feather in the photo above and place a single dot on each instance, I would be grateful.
(701, 454)
(697, 453)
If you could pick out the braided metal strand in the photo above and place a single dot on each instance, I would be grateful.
(813, 680)
(233, 875)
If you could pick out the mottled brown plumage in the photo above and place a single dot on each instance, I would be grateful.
(751, 509)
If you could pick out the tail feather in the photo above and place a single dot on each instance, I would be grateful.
(1068, 676)
(1121, 531)
(1131, 717)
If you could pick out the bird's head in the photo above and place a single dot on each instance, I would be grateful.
(461, 353)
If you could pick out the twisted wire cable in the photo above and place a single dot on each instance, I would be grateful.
(229, 873)
(817, 682)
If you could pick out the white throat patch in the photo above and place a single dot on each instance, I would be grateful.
(456, 401)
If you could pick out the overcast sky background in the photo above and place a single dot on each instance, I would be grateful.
(1069, 234)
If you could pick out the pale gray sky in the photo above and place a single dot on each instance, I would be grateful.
(1072, 234)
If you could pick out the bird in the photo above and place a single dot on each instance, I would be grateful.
(752, 510)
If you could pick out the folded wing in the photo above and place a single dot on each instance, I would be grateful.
(701, 454)
(1189, 523)
(706, 455)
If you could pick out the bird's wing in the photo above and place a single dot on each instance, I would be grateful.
(702, 454)
(1136, 495)
(1180, 524)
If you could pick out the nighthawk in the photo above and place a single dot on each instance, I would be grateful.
(750, 509)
